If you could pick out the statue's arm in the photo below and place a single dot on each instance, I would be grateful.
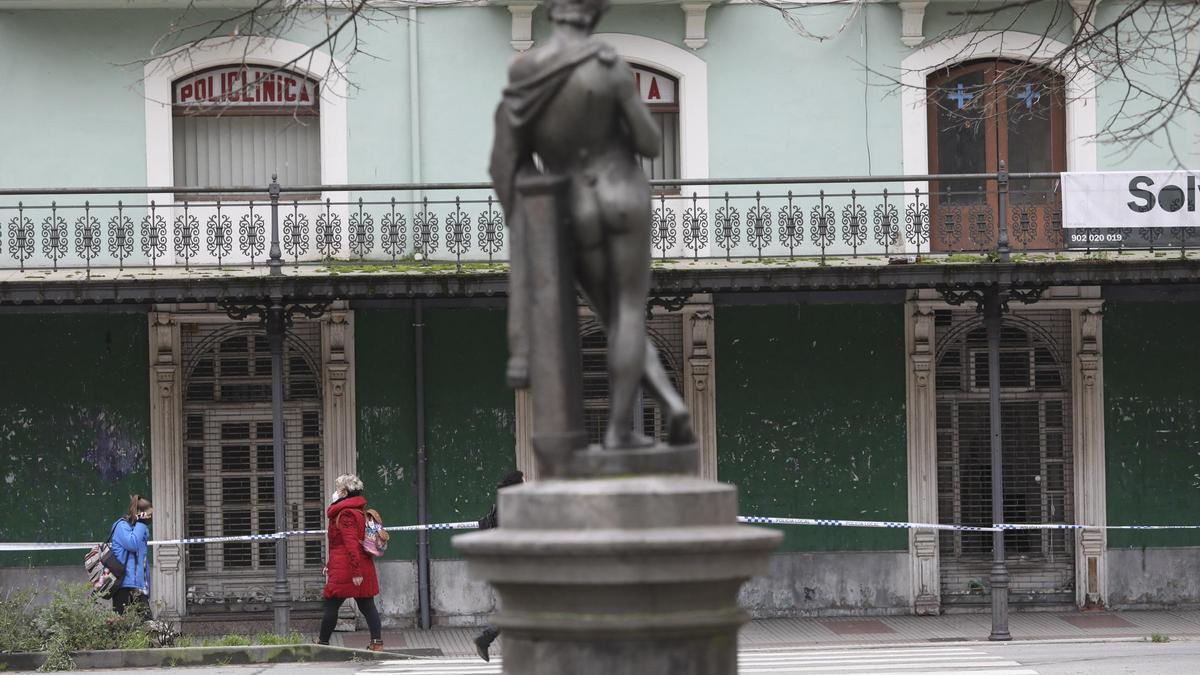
(646, 138)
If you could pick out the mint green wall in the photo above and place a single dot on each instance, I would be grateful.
(464, 63)
(378, 135)
(780, 103)
(469, 424)
(74, 427)
(1152, 421)
(71, 117)
(810, 418)
(773, 93)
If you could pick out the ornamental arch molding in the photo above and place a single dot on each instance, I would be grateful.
(1082, 356)
(327, 350)
(1011, 45)
(692, 73)
(159, 74)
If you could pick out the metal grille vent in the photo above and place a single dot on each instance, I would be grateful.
(666, 332)
(229, 461)
(1035, 408)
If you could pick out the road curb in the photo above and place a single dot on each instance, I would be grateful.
(170, 657)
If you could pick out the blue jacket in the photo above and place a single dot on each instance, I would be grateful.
(129, 546)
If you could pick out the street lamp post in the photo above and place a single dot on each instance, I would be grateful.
(276, 327)
(992, 309)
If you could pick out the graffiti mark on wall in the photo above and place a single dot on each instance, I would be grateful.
(115, 449)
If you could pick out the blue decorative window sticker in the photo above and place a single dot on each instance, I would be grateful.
(1029, 96)
(960, 97)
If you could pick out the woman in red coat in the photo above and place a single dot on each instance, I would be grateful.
(350, 571)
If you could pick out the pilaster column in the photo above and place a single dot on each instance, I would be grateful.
(168, 595)
(337, 365)
(525, 460)
(922, 456)
(698, 388)
(1090, 508)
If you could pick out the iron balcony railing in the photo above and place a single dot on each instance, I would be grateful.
(992, 214)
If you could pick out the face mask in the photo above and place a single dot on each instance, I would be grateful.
(337, 494)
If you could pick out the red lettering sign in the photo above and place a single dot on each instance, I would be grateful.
(244, 87)
(655, 87)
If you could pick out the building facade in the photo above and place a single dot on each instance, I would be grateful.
(808, 324)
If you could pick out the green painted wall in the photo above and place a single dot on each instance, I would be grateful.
(1152, 421)
(471, 425)
(74, 427)
(810, 418)
(469, 416)
(386, 399)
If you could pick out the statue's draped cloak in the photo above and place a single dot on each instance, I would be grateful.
(521, 105)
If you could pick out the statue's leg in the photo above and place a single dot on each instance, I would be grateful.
(628, 346)
(678, 421)
(599, 280)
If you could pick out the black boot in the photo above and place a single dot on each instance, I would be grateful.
(484, 640)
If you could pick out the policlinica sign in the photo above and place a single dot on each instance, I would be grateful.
(1130, 199)
(244, 87)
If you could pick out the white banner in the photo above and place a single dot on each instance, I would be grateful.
(1130, 199)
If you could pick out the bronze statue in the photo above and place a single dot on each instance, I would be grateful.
(572, 112)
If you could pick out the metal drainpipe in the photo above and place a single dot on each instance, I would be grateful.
(422, 461)
(414, 126)
(414, 101)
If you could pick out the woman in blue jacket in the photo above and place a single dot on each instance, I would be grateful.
(129, 537)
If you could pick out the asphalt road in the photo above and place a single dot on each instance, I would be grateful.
(971, 658)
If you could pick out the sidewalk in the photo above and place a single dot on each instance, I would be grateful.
(773, 633)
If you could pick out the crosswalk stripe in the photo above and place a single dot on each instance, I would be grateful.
(921, 666)
(972, 671)
(755, 653)
(436, 668)
(890, 661)
(801, 661)
(858, 654)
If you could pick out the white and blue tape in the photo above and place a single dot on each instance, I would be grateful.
(754, 520)
(887, 524)
(37, 546)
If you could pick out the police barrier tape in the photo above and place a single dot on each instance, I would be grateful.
(34, 546)
(755, 520)
(887, 524)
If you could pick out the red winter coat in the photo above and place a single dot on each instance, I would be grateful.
(347, 559)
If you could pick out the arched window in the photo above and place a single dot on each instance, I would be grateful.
(981, 114)
(1035, 411)
(661, 93)
(666, 332)
(237, 125)
(228, 473)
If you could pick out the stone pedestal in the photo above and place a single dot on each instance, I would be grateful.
(635, 575)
